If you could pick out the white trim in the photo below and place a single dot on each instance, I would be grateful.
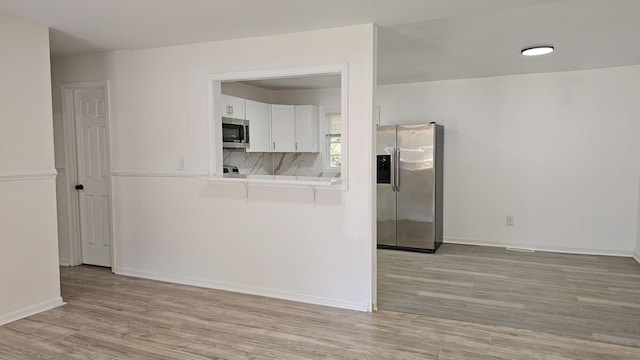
(158, 173)
(247, 289)
(31, 310)
(372, 189)
(64, 262)
(214, 80)
(344, 114)
(27, 175)
(548, 248)
(66, 94)
(636, 255)
(215, 122)
(112, 191)
(85, 85)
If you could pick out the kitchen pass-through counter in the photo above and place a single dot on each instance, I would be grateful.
(322, 181)
(313, 182)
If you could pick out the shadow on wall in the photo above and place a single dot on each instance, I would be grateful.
(273, 194)
(62, 41)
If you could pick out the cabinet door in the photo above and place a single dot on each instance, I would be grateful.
(233, 107)
(259, 116)
(283, 128)
(306, 128)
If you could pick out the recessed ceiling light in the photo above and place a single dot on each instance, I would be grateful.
(537, 50)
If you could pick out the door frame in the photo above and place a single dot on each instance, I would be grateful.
(67, 92)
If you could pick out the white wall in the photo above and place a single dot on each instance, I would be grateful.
(558, 151)
(328, 98)
(186, 230)
(235, 88)
(29, 278)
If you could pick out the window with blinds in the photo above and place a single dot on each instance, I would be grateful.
(334, 141)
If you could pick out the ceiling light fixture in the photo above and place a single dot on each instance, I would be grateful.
(537, 50)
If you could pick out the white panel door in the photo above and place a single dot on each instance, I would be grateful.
(90, 113)
(283, 133)
(259, 116)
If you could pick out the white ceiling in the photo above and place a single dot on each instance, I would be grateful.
(586, 34)
(326, 81)
(419, 40)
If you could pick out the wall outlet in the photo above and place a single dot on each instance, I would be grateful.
(181, 162)
(509, 220)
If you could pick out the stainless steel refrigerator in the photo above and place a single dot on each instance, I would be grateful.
(409, 186)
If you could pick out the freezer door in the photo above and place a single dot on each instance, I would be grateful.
(415, 187)
(439, 182)
(386, 196)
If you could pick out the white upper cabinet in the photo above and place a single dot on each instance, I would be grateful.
(232, 107)
(306, 128)
(294, 128)
(283, 128)
(276, 128)
(259, 116)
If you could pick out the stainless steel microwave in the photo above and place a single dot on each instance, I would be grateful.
(235, 133)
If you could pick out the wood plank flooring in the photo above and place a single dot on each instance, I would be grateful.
(581, 296)
(115, 317)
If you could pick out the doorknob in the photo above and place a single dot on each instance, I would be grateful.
(80, 187)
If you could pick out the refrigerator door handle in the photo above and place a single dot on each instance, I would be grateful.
(392, 170)
(397, 169)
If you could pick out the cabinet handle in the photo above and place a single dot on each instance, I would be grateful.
(296, 146)
(274, 145)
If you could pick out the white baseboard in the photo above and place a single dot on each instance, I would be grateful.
(636, 255)
(30, 310)
(64, 262)
(248, 289)
(548, 248)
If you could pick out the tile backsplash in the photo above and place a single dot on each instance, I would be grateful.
(290, 164)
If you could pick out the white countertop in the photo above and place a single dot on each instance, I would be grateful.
(275, 180)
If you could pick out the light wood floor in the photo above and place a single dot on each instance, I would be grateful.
(115, 317)
(581, 296)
